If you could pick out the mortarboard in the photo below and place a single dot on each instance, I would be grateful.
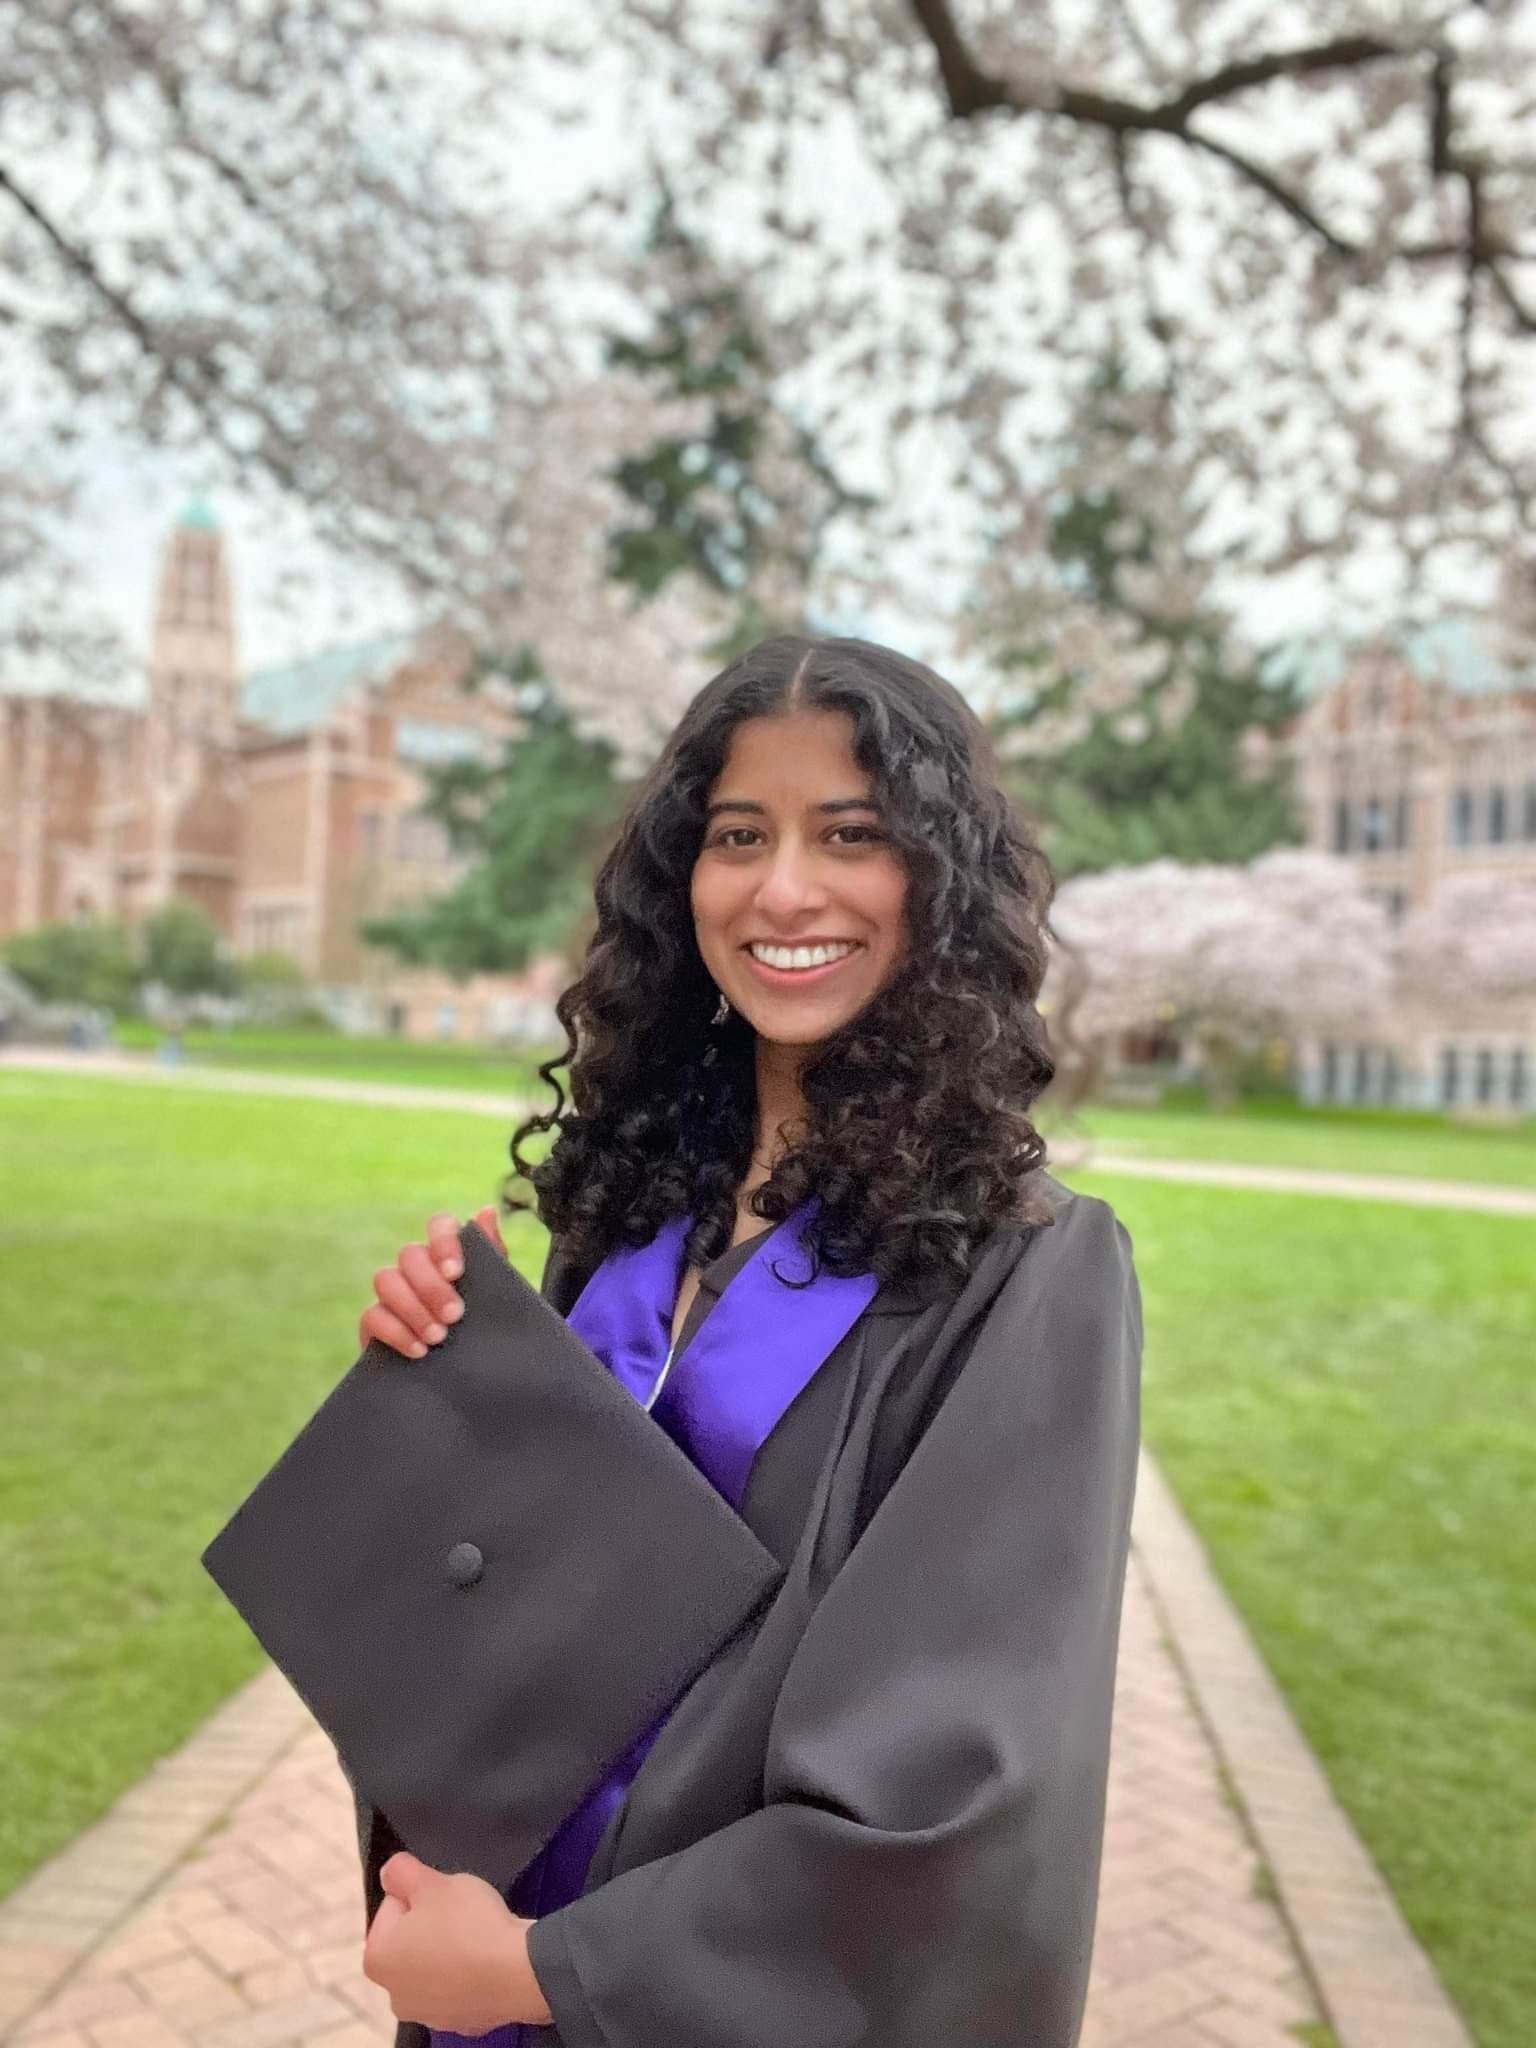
(486, 1572)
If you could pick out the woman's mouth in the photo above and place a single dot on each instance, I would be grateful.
(781, 976)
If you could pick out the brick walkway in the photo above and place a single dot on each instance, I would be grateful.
(255, 1940)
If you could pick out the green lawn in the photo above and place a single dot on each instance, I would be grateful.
(1342, 1393)
(1329, 1140)
(180, 1283)
(1344, 1396)
(335, 1056)
(1260, 1134)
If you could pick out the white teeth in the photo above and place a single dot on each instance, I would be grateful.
(798, 956)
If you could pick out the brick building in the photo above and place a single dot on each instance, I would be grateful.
(1417, 762)
(287, 804)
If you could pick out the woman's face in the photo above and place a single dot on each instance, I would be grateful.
(795, 854)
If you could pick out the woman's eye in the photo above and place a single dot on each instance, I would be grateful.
(734, 835)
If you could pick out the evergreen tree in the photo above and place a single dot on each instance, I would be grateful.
(1162, 776)
(742, 502)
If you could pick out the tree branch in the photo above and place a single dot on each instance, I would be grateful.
(969, 91)
(1345, 53)
(1289, 201)
(202, 385)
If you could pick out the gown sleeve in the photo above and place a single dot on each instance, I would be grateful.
(924, 1870)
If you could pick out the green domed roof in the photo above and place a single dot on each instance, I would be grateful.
(199, 517)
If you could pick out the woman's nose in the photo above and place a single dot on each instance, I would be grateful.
(790, 884)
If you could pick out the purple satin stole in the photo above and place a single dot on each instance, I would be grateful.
(719, 1400)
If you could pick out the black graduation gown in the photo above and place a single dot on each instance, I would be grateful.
(877, 1816)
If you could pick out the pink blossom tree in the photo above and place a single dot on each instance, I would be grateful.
(1471, 947)
(1307, 229)
(305, 244)
(1233, 957)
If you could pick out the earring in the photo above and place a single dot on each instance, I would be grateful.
(722, 1012)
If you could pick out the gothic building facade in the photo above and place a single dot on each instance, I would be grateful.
(1417, 763)
(286, 803)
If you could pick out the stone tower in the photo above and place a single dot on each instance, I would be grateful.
(192, 684)
(188, 775)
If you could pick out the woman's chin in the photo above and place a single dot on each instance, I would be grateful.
(800, 1024)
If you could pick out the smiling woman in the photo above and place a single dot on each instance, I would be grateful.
(799, 1212)
(799, 915)
(816, 793)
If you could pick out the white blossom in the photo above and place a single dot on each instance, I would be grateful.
(1288, 944)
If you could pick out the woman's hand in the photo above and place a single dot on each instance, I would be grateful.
(416, 1297)
(450, 1952)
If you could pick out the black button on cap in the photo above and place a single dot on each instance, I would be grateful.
(465, 1564)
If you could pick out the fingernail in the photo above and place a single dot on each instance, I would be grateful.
(418, 1351)
(452, 1268)
(435, 1333)
(452, 1311)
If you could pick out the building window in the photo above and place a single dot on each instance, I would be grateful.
(1373, 825)
(1341, 825)
(1530, 810)
(1485, 1073)
(276, 930)
(1362, 1074)
(371, 827)
(1450, 1076)
(447, 1019)
(1517, 1076)
(1461, 818)
(1330, 1075)
(1402, 826)
(1391, 1077)
(1496, 817)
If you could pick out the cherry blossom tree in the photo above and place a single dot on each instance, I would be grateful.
(1231, 956)
(306, 246)
(306, 242)
(283, 239)
(1307, 227)
(1473, 945)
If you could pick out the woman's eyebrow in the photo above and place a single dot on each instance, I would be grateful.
(836, 803)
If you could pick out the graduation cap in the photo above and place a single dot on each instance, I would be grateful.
(486, 1573)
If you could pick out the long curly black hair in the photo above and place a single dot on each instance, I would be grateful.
(918, 1140)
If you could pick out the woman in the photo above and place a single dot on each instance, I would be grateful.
(803, 1050)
